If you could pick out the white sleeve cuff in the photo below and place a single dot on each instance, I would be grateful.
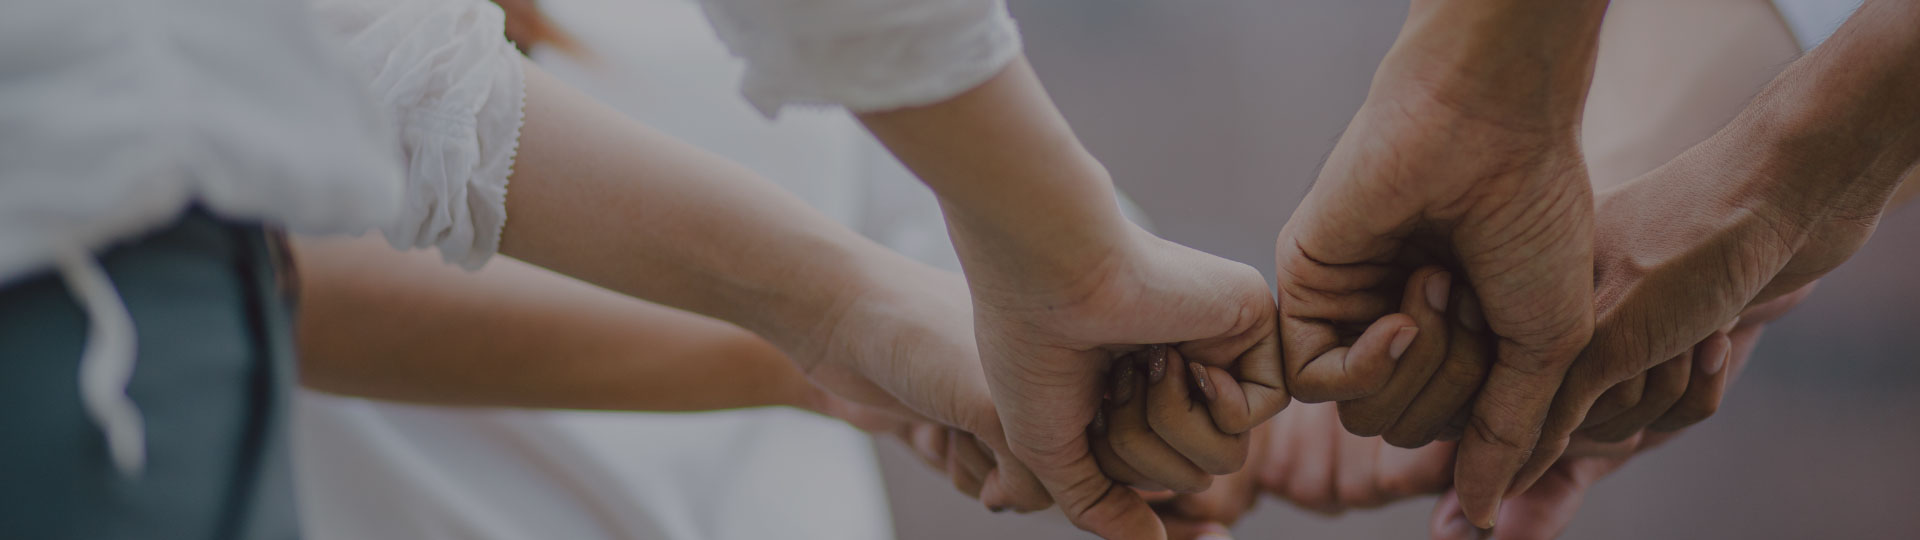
(455, 86)
(865, 55)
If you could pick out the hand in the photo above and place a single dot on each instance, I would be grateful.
(1048, 350)
(1681, 253)
(900, 356)
(1505, 207)
(963, 458)
(1305, 457)
(1546, 509)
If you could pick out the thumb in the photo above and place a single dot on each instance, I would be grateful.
(1092, 501)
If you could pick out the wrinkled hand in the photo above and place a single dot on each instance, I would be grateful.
(1503, 204)
(1049, 351)
(1681, 252)
(1545, 510)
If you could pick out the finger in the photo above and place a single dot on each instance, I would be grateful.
(1093, 502)
(1545, 510)
(1249, 392)
(929, 442)
(1181, 420)
(1616, 400)
(1134, 441)
(1570, 405)
(1449, 393)
(1506, 428)
(1705, 390)
(1349, 372)
(1111, 463)
(1425, 301)
(1666, 384)
(968, 464)
(1449, 522)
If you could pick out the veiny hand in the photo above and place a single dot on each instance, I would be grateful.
(1681, 253)
(1048, 354)
(1502, 203)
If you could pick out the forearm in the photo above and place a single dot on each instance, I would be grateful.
(379, 323)
(1840, 128)
(599, 197)
(1519, 56)
(1014, 182)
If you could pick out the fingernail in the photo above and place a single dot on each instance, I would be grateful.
(1459, 529)
(1493, 515)
(1124, 382)
(1099, 424)
(1437, 286)
(1200, 380)
(1157, 364)
(1401, 340)
(997, 509)
(1718, 363)
(1213, 531)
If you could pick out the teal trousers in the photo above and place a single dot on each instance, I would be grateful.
(212, 379)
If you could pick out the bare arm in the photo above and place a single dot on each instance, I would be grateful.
(404, 326)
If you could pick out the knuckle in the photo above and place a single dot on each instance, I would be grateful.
(1516, 440)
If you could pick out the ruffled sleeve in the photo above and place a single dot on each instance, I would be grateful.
(455, 86)
(865, 55)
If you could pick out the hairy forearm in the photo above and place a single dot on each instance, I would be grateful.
(599, 197)
(378, 323)
(1015, 183)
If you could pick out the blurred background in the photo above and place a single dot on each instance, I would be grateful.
(1213, 116)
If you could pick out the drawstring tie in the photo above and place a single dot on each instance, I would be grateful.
(106, 365)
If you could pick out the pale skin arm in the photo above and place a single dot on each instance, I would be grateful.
(600, 198)
(407, 327)
(389, 325)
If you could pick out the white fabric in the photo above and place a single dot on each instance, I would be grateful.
(1813, 21)
(865, 55)
(116, 115)
(371, 470)
(454, 86)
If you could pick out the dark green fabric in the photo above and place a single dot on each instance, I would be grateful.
(212, 381)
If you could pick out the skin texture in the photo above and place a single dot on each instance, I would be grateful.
(1066, 292)
(1464, 155)
(1669, 74)
(605, 200)
(1784, 194)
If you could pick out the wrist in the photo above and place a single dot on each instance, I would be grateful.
(1515, 62)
